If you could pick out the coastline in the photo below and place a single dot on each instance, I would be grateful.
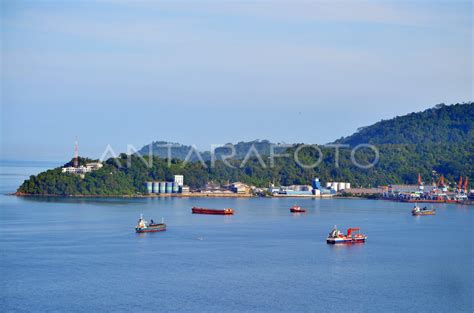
(174, 195)
(181, 195)
(214, 195)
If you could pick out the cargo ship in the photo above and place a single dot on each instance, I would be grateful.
(297, 209)
(417, 211)
(226, 211)
(144, 227)
(353, 236)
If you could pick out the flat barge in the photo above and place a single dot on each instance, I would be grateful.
(226, 211)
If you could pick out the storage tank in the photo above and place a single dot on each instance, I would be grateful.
(162, 187)
(156, 187)
(348, 185)
(334, 185)
(341, 186)
(169, 187)
(175, 187)
(328, 185)
(149, 187)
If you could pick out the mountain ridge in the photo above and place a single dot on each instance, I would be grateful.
(442, 123)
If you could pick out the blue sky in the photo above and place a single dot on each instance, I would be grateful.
(204, 72)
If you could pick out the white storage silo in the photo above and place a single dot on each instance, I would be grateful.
(334, 185)
(156, 187)
(348, 185)
(328, 185)
(149, 187)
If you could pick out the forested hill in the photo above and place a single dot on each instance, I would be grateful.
(441, 124)
(163, 149)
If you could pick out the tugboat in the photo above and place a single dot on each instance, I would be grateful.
(417, 211)
(152, 227)
(297, 209)
(353, 236)
(226, 211)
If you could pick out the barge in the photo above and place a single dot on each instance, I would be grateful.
(226, 211)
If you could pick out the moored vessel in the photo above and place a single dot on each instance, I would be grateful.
(297, 209)
(352, 236)
(226, 211)
(144, 227)
(417, 211)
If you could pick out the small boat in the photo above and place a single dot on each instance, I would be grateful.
(226, 211)
(297, 209)
(417, 211)
(144, 227)
(353, 236)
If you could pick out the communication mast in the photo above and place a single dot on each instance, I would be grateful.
(76, 154)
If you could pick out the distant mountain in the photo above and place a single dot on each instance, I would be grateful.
(441, 124)
(236, 151)
(162, 149)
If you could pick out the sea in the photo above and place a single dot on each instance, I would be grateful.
(83, 255)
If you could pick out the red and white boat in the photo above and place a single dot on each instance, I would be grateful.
(297, 209)
(352, 236)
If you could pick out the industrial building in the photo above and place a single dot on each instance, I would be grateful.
(316, 189)
(296, 190)
(179, 180)
(338, 186)
(238, 187)
(89, 167)
(167, 187)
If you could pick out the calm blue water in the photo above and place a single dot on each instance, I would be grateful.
(82, 255)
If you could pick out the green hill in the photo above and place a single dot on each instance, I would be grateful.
(441, 124)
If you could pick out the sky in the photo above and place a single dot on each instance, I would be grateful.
(124, 73)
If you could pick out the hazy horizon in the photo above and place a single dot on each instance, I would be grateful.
(206, 73)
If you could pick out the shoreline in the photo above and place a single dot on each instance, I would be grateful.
(215, 195)
(177, 195)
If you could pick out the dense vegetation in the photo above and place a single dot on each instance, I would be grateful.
(410, 153)
(441, 124)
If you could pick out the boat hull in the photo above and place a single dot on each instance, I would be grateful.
(297, 211)
(430, 201)
(344, 241)
(423, 213)
(212, 211)
(151, 229)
